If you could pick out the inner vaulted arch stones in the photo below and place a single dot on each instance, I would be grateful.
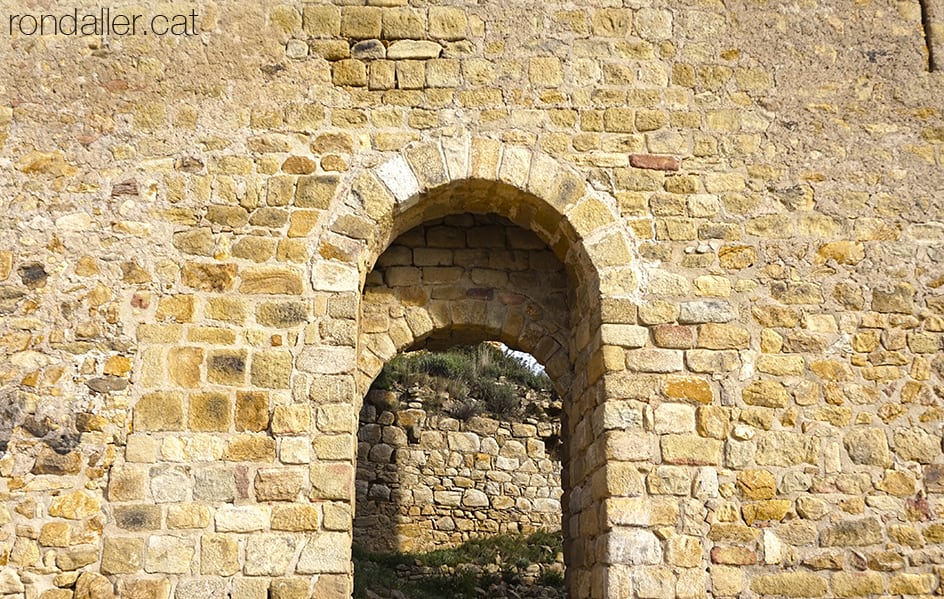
(547, 308)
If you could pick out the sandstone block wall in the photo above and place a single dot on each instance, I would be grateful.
(745, 198)
(427, 481)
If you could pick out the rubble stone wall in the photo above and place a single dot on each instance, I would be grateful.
(427, 481)
(745, 197)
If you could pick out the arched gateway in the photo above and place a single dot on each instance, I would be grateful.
(570, 328)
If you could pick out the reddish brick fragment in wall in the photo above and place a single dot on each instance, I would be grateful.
(653, 162)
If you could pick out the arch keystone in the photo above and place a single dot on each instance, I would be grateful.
(486, 154)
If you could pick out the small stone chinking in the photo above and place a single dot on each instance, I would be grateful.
(723, 241)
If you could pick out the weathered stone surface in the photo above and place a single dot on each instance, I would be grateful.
(106, 384)
(168, 555)
(290, 588)
(209, 249)
(219, 555)
(712, 421)
(723, 336)
(159, 411)
(278, 484)
(847, 584)
(210, 411)
(241, 519)
(854, 533)
(654, 360)
(785, 449)
(252, 411)
(187, 516)
(76, 557)
(198, 241)
(214, 484)
(917, 444)
(813, 508)
(737, 556)
(767, 394)
(650, 161)
(756, 484)
(868, 446)
(685, 551)
(295, 517)
(183, 366)
(51, 462)
(689, 388)
(282, 314)
(250, 448)
(727, 581)
(200, 588)
(271, 280)
(209, 277)
(415, 50)
(790, 584)
(911, 584)
(832, 560)
(291, 419)
(170, 483)
(74, 506)
(122, 555)
(324, 553)
(674, 418)
(271, 369)
(698, 312)
(137, 517)
(90, 585)
(898, 298)
(632, 546)
(10, 582)
(691, 450)
(774, 509)
(144, 588)
(226, 367)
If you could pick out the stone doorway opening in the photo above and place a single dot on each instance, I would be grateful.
(459, 458)
(454, 282)
(455, 445)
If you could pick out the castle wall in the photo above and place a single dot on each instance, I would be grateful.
(745, 196)
(427, 481)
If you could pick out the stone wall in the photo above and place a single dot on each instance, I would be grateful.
(745, 198)
(428, 481)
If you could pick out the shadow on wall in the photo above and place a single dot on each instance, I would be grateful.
(426, 480)
(57, 431)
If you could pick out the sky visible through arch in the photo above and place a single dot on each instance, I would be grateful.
(528, 360)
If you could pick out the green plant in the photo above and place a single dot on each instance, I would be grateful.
(551, 578)
(462, 572)
(465, 409)
(500, 399)
(483, 372)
